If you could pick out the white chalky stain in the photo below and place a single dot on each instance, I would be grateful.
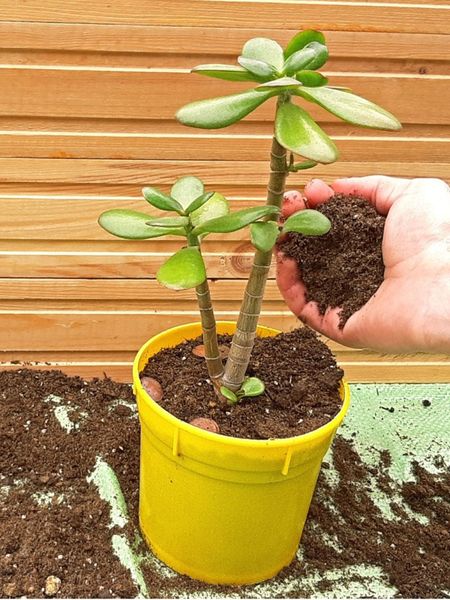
(62, 413)
(130, 561)
(104, 477)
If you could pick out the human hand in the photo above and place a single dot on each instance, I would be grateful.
(410, 312)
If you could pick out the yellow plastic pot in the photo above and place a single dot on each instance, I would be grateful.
(220, 509)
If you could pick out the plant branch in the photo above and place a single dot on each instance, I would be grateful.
(244, 337)
(212, 354)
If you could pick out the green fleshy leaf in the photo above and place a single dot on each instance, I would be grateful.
(227, 72)
(350, 107)
(266, 50)
(282, 82)
(216, 207)
(311, 78)
(297, 131)
(132, 225)
(252, 386)
(311, 57)
(160, 200)
(187, 189)
(198, 202)
(216, 113)
(235, 221)
(259, 68)
(302, 39)
(229, 395)
(307, 222)
(169, 222)
(182, 271)
(264, 235)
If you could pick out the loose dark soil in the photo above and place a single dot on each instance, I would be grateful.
(70, 538)
(343, 268)
(299, 371)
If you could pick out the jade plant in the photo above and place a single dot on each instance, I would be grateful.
(290, 75)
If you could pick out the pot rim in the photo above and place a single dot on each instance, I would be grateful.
(229, 440)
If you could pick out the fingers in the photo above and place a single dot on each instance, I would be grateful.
(317, 192)
(293, 201)
(294, 292)
(379, 190)
(290, 283)
(327, 324)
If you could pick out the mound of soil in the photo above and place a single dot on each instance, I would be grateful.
(301, 379)
(69, 536)
(344, 267)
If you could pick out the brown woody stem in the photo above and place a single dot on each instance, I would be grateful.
(244, 337)
(212, 354)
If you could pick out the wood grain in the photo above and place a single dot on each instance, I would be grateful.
(120, 93)
(83, 128)
(341, 16)
(165, 42)
(209, 146)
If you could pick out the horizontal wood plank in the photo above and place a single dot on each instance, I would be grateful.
(94, 93)
(87, 265)
(130, 127)
(370, 148)
(100, 330)
(166, 42)
(349, 16)
(118, 289)
(214, 173)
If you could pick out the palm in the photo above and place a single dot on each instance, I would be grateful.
(414, 254)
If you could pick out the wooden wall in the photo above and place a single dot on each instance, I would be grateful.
(88, 94)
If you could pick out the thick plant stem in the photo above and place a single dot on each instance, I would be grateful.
(243, 339)
(212, 354)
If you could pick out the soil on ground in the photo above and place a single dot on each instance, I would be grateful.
(343, 268)
(69, 535)
(301, 381)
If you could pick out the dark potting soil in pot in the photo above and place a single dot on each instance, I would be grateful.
(70, 537)
(343, 268)
(299, 372)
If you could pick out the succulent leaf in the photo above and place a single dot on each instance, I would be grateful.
(307, 222)
(168, 222)
(297, 131)
(198, 202)
(183, 270)
(187, 189)
(350, 107)
(302, 39)
(258, 68)
(236, 220)
(229, 395)
(216, 113)
(311, 78)
(160, 200)
(312, 56)
(266, 50)
(217, 206)
(282, 82)
(264, 235)
(227, 72)
(252, 386)
(132, 225)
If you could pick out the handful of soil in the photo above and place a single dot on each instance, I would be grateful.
(344, 267)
